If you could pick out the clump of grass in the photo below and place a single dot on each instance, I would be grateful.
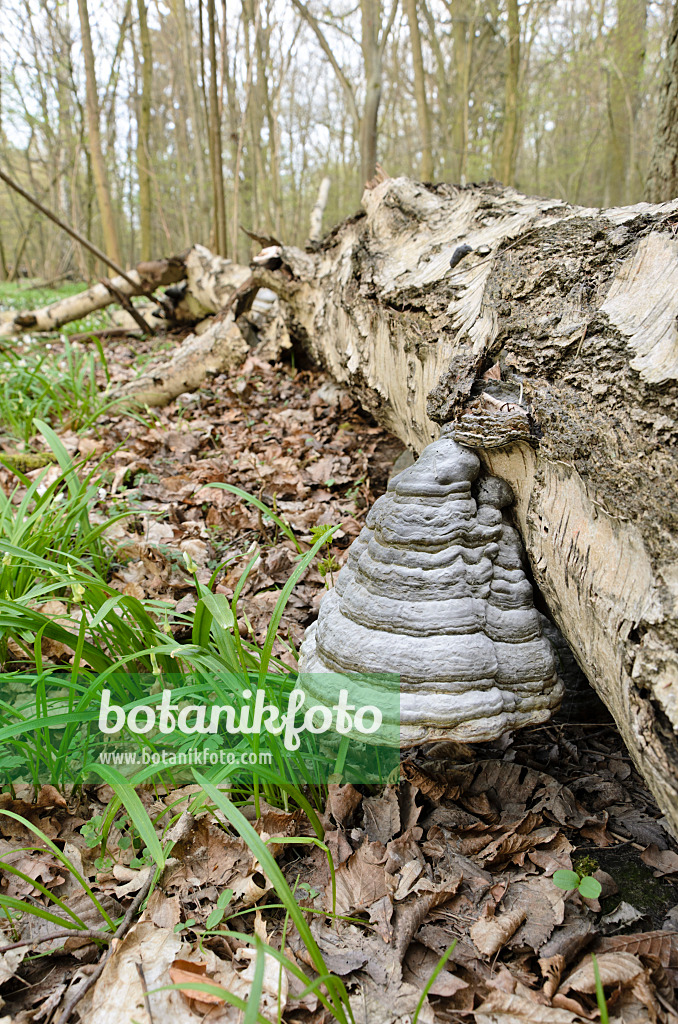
(49, 548)
(51, 522)
(62, 389)
(26, 294)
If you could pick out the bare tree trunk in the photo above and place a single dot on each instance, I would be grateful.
(442, 79)
(146, 277)
(372, 62)
(593, 465)
(420, 92)
(316, 229)
(195, 110)
(251, 17)
(509, 148)
(662, 179)
(99, 171)
(143, 135)
(216, 156)
(625, 66)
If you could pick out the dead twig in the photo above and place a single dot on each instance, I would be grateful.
(64, 933)
(120, 933)
(144, 989)
(126, 304)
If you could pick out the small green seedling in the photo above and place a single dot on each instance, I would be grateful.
(586, 885)
(328, 565)
(217, 915)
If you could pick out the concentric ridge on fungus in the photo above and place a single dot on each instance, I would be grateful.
(434, 592)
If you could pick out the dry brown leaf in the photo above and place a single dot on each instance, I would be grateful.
(664, 862)
(381, 816)
(118, 996)
(183, 972)
(509, 1008)
(615, 969)
(661, 945)
(163, 911)
(490, 933)
(362, 880)
(622, 970)
(551, 968)
(39, 866)
(419, 965)
(10, 963)
(544, 906)
(342, 801)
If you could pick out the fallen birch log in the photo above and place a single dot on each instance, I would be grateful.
(219, 348)
(145, 278)
(213, 285)
(552, 346)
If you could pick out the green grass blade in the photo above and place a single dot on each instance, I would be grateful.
(134, 807)
(429, 984)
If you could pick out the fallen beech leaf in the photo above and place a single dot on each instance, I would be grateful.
(118, 996)
(661, 945)
(509, 1008)
(183, 972)
(419, 965)
(664, 862)
(361, 882)
(551, 968)
(615, 969)
(10, 962)
(489, 934)
(382, 816)
(342, 802)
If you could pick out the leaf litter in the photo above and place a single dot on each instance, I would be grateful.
(462, 850)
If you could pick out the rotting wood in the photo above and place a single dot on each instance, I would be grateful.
(219, 348)
(578, 305)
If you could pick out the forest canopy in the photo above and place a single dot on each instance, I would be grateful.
(150, 125)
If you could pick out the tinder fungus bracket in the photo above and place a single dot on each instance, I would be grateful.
(434, 593)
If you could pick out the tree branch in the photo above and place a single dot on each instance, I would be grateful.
(312, 22)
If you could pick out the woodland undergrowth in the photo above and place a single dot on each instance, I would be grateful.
(189, 548)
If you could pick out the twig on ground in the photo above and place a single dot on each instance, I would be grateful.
(144, 989)
(122, 930)
(64, 933)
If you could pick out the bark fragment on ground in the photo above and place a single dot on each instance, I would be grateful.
(576, 306)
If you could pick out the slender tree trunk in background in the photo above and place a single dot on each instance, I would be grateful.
(509, 146)
(625, 60)
(662, 179)
(252, 20)
(463, 29)
(423, 114)
(99, 173)
(442, 80)
(195, 112)
(215, 135)
(372, 62)
(143, 135)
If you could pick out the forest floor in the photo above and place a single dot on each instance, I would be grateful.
(439, 904)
